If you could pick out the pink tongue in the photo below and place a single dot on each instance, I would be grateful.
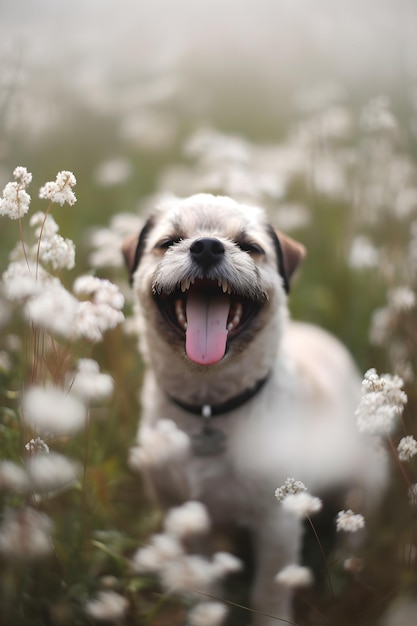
(206, 335)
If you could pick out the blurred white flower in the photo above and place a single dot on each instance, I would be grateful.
(301, 504)
(291, 486)
(160, 443)
(39, 221)
(107, 242)
(90, 383)
(49, 410)
(161, 549)
(22, 279)
(58, 251)
(188, 519)
(25, 534)
(382, 402)
(107, 606)
(53, 309)
(15, 200)
(50, 472)
(189, 573)
(60, 191)
(207, 614)
(226, 563)
(349, 522)
(363, 253)
(113, 172)
(407, 448)
(401, 299)
(102, 290)
(93, 320)
(13, 477)
(294, 576)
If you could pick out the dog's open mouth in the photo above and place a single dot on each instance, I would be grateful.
(209, 314)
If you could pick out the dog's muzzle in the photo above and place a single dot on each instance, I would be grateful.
(207, 306)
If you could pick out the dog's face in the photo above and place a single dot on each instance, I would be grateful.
(208, 273)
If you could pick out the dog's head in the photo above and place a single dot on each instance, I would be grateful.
(208, 273)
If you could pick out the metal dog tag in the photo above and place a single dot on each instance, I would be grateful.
(209, 441)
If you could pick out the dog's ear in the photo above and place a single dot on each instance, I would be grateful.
(133, 247)
(289, 253)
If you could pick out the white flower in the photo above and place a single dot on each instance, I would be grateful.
(189, 573)
(102, 290)
(294, 576)
(53, 309)
(382, 402)
(107, 242)
(22, 280)
(160, 443)
(107, 606)
(207, 614)
(291, 486)
(103, 313)
(90, 383)
(349, 521)
(407, 448)
(113, 172)
(58, 251)
(162, 549)
(401, 299)
(13, 477)
(15, 201)
(35, 446)
(363, 253)
(25, 534)
(22, 176)
(227, 563)
(46, 226)
(92, 320)
(188, 519)
(48, 472)
(50, 410)
(301, 504)
(60, 191)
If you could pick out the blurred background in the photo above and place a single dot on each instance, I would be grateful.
(307, 108)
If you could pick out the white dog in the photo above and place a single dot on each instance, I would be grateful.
(262, 398)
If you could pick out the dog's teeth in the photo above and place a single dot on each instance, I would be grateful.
(185, 284)
(180, 313)
(225, 286)
(236, 317)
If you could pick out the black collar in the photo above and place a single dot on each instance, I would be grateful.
(212, 410)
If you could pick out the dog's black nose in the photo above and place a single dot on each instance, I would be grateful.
(207, 251)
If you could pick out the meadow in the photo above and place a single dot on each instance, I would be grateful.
(338, 172)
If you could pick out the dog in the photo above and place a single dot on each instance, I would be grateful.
(262, 398)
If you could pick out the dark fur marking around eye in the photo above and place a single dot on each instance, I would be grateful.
(280, 257)
(143, 235)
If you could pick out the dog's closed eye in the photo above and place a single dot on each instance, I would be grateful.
(167, 243)
(248, 246)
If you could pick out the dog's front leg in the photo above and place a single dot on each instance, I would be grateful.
(277, 544)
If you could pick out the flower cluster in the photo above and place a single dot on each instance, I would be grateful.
(15, 201)
(60, 191)
(349, 521)
(407, 448)
(381, 404)
(291, 486)
(55, 405)
(182, 573)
